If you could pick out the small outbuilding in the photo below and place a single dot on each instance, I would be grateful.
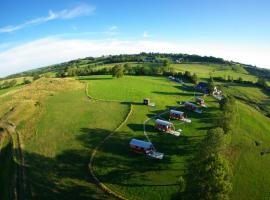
(192, 107)
(200, 101)
(166, 127)
(175, 114)
(146, 101)
(203, 87)
(140, 146)
(163, 125)
(147, 148)
(178, 115)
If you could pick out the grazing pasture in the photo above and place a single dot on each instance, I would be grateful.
(136, 176)
(59, 127)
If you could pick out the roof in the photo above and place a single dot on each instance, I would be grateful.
(202, 84)
(176, 112)
(140, 143)
(162, 122)
(189, 103)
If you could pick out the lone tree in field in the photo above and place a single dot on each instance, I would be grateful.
(118, 71)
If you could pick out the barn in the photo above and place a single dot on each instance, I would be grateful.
(175, 114)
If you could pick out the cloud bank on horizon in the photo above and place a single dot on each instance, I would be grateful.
(48, 51)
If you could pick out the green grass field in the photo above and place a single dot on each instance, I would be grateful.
(207, 70)
(58, 153)
(136, 176)
(251, 94)
(251, 174)
(60, 127)
(4, 91)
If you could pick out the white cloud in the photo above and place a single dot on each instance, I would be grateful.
(54, 50)
(145, 34)
(78, 11)
(112, 31)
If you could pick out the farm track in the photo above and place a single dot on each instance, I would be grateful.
(95, 150)
(19, 177)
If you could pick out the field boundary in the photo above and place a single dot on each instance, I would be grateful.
(95, 150)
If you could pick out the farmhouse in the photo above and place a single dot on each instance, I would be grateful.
(192, 107)
(147, 148)
(167, 127)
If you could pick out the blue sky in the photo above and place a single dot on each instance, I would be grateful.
(39, 33)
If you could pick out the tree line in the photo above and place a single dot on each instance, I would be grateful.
(209, 176)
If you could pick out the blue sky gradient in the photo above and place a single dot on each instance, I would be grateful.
(236, 30)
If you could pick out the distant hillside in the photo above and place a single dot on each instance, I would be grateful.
(92, 62)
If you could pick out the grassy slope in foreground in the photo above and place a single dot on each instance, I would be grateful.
(133, 175)
(251, 170)
(6, 167)
(58, 154)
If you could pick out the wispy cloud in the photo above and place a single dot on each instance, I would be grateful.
(145, 34)
(39, 53)
(78, 11)
(112, 31)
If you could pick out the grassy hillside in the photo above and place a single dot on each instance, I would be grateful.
(251, 175)
(57, 155)
(207, 70)
(6, 167)
(136, 176)
(58, 126)
(253, 95)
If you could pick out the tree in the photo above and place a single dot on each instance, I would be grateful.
(262, 82)
(172, 70)
(166, 63)
(211, 84)
(36, 76)
(60, 74)
(228, 117)
(194, 78)
(118, 71)
(128, 68)
(210, 175)
(26, 81)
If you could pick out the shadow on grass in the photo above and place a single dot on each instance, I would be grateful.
(65, 175)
